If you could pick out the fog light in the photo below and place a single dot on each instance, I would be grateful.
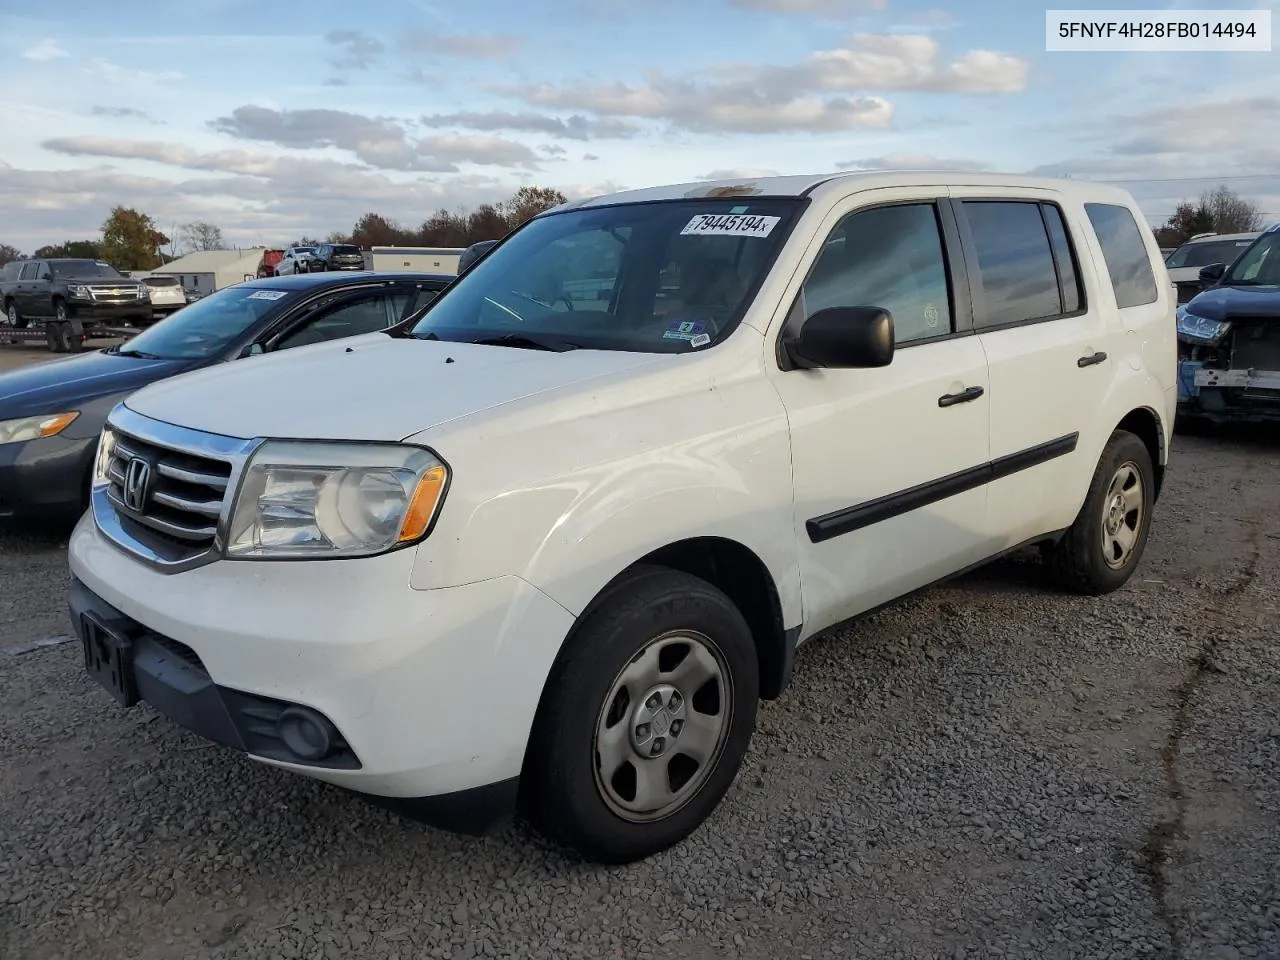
(306, 733)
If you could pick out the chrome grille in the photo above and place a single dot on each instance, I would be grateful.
(109, 295)
(175, 504)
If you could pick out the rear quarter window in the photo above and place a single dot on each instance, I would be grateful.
(1128, 262)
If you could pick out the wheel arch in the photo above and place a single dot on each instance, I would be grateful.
(1147, 426)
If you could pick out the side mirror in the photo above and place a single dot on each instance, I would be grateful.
(254, 349)
(1213, 272)
(844, 337)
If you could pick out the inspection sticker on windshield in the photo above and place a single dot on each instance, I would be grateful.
(268, 295)
(729, 225)
(685, 330)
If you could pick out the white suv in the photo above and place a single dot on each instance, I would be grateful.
(550, 544)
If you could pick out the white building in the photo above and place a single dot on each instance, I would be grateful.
(413, 259)
(205, 271)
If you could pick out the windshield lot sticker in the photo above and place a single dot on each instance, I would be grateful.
(268, 295)
(729, 225)
(701, 340)
(684, 330)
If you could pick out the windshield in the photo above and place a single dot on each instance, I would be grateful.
(304, 249)
(83, 268)
(345, 249)
(208, 326)
(662, 277)
(1207, 252)
(1260, 265)
(161, 281)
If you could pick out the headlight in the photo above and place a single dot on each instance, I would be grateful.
(80, 291)
(33, 428)
(1197, 329)
(315, 499)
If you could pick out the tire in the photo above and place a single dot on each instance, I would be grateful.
(1089, 559)
(578, 792)
(13, 317)
(51, 337)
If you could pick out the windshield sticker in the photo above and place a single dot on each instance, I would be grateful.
(731, 225)
(684, 330)
(268, 295)
(737, 209)
(701, 340)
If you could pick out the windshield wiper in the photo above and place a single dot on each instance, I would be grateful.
(528, 342)
(140, 354)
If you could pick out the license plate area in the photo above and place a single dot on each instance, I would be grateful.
(108, 659)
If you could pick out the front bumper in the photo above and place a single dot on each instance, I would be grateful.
(1232, 395)
(432, 692)
(45, 478)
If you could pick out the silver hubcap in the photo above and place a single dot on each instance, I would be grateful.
(662, 727)
(1122, 515)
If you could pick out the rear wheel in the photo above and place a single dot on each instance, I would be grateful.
(1105, 543)
(646, 717)
(12, 317)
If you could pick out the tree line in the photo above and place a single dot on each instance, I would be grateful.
(131, 240)
(1217, 211)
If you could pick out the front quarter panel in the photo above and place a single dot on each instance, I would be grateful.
(568, 491)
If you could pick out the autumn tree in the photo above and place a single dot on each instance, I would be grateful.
(130, 240)
(486, 222)
(9, 254)
(200, 235)
(71, 250)
(375, 230)
(528, 202)
(446, 229)
(1217, 211)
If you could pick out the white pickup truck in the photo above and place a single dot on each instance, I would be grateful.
(548, 545)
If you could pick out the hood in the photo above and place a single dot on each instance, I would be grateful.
(1225, 303)
(59, 385)
(96, 280)
(372, 387)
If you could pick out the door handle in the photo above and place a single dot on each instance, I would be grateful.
(1092, 359)
(964, 396)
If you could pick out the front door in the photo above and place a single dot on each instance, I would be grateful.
(889, 463)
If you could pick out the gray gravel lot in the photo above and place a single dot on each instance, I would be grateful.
(988, 769)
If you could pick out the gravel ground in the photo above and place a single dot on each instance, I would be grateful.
(988, 769)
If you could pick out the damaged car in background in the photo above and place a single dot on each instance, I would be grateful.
(1229, 339)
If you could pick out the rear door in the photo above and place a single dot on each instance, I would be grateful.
(1049, 349)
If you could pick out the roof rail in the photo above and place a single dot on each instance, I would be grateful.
(1201, 236)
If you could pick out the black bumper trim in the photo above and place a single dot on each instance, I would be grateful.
(476, 812)
(170, 677)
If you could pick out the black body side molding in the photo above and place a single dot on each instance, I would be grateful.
(893, 505)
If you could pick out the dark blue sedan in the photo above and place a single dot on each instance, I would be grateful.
(51, 414)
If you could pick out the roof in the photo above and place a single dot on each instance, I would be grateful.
(446, 251)
(1214, 237)
(810, 184)
(211, 261)
(338, 278)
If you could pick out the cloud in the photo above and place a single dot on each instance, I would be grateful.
(122, 113)
(824, 92)
(356, 50)
(1217, 126)
(737, 173)
(590, 156)
(377, 141)
(475, 46)
(576, 127)
(115, 75)
(44, 51)
(833, 8)
(911, 161)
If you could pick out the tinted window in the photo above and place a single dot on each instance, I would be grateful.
(1064, 257)
(348, 318)
(208, 326)
(889, 257)
(662, 277)
(1015, 261)
(83, 268)
(1126, 256)
(345, 249)
(29, 271)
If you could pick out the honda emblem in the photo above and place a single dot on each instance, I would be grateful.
(137, 481)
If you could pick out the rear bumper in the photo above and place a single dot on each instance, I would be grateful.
(44, 478)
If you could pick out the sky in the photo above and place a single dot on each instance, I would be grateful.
(276, 121)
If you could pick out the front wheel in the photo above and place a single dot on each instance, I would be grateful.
(1102, 549)
(645, 720)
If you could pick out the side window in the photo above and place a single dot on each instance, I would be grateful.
(346, 318)
(43, 272)
(28, 271)
(1125, 254)
(889, 257)
(1015, 262)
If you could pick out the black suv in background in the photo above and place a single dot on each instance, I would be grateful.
(338, 256)
(61, 289)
